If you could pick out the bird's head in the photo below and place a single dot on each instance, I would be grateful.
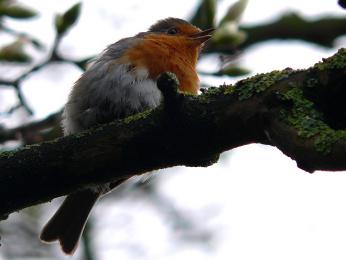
(171, 45)
(175, 29)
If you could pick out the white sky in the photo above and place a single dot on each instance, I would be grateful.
(266, 207)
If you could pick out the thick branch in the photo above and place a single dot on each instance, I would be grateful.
(288, 109)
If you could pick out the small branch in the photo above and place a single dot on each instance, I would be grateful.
(54, 56)
(11, 110)
(15, 33)
(28, 72)
(291, 26)
(31, 129)
(6, 83)
(22, 100)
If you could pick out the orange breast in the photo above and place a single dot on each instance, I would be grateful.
(160, 53)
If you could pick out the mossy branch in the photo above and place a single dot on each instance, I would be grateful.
(302, 113)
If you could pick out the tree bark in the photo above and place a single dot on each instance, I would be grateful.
(302, 113)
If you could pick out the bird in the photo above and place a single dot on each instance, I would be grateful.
(120, 82)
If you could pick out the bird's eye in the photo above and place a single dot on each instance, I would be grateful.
(172, 31)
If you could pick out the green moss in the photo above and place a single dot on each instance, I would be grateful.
(172, 77)
(137, 116)
(6, 154)
(337, 61)
(230, 89)
(303, 117)
(53, 141)
(259, 83)
(28, 147)
(248, 87)
(309, 122)
(327, 138)
(312, 83)
(210, 93)
(81, 134)
(186, 94)
(100, 128)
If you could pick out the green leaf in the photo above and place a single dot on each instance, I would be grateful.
(16, 11)
(204, 17)
(63, 22)
(59, 24)
(14, 52)
(234, 12)
(229, 33)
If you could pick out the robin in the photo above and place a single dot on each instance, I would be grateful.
(122, 82)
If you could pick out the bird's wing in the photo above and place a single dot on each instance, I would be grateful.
(111, 88)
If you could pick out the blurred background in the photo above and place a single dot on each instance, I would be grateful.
(254, 204)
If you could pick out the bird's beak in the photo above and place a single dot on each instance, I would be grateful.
(202, 36)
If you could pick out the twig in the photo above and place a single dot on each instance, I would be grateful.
(10, 31)
(22, 100)
(6, 83)
(33, 127)
(11, 110)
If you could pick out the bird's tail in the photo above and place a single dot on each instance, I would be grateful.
(68, 222)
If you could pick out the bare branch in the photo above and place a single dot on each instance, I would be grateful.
(291, 26)
(22, 100)
(6, 83)
(32, 129)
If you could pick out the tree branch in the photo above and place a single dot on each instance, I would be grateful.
(38, 129)
(54, 56)
(299, 112)
(291, 26)
(323, 31)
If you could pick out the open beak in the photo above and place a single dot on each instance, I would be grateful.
(202, 36)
